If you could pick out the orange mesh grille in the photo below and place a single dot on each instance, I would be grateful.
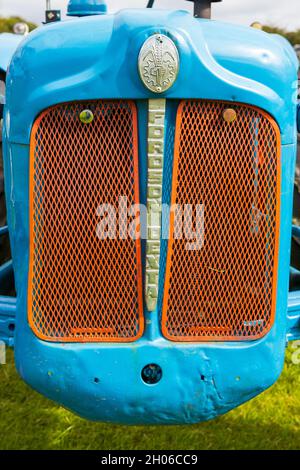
(83, 288)
(226, 289)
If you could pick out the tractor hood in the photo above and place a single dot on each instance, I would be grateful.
(98, 57)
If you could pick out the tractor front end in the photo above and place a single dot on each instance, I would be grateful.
(149, 166)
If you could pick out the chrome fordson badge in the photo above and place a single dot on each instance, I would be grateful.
(158, 63)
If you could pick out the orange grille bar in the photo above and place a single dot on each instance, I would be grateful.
(226, 289)
(83, 288)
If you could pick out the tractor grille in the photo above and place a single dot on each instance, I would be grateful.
(83, 288)
(226, 289)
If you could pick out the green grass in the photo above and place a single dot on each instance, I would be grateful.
(29, 421)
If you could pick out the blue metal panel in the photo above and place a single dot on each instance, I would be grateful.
(94, 57)
(86, 7)
(8, 45)
(7, 304)
(97, 58)
(8, 308)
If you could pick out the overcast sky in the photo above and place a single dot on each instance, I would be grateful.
(275, 12)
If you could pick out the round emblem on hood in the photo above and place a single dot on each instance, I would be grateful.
(158, 63)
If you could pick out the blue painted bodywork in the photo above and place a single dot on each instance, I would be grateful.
(8, 308)
(86, 7)
(7, 304)
(95, 58)
(8, 45)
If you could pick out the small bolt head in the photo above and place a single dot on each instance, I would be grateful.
(86, 116)
(229, 115)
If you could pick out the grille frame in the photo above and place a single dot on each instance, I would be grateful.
(88, 339)
(164, 318)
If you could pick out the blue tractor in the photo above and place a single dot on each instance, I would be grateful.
(149, 162)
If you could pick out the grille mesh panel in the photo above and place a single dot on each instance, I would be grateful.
(226, 289)
(82, 288)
